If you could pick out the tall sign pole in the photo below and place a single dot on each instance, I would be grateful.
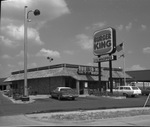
(99, 75)
(124, 67)
(105, 44)
(110, 76)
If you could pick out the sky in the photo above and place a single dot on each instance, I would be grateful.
(64, 31)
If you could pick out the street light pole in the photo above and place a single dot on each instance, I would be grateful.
(25, 53)
(1, 10)
(26, 19)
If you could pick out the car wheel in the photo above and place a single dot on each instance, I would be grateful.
(124, 94)
(73, 98)
(52, 96)
(59, 97)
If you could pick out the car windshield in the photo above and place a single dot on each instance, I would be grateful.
(65, 89)
(134, 88)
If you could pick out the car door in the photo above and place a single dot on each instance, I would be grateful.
(129, 91)
(120, 91)
(125, 91)
(55, 92)
(116, 91)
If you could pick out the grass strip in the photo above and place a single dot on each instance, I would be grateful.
(83, 116)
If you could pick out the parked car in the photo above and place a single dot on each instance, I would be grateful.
(127, 91)
(64, 92)
(145, 91)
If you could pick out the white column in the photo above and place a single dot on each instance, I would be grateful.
(78, 87)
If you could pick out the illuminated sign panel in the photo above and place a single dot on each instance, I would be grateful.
(104, 59)
(104, 41)
(87, 70)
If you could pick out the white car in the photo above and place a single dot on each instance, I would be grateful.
(127, 90)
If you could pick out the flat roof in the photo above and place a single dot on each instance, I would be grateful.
(69, 70)
(140, 75)
(59, 66)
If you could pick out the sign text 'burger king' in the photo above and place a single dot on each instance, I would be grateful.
(104, 41)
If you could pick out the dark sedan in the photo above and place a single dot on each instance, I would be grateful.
(64, 92)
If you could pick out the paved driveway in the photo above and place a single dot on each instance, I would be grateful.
(7, 109)
(84, 103)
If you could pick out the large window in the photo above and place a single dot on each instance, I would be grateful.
(70, 82)
(14, 86)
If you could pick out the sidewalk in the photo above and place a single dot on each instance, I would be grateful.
(96, 117)
(32, 99)
(141, 120)
(100, 114)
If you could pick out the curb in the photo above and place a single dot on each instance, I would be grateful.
(80, 116)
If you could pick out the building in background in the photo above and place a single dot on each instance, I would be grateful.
(140, 78)
(4, 85)
(42, 80)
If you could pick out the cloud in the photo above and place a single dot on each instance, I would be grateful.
(6, 56)
(84, 41)
(129, 26)
(10, 66)
(7, 42)
(120, 27)
(0, 66)
(137, 67)
(126, 27)
(98, 25)
(143, 27)
(50, 9)
(15, 34)
(21, 54)
(46, 52)
(146, 50)
(21, 64)
(130, 52)
(13, 18)
(68, 52)
(30, 65)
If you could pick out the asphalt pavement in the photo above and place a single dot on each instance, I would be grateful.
(15, 114)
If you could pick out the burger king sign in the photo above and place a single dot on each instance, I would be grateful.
(104, 42)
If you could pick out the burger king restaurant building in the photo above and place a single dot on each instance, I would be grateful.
(84, 79)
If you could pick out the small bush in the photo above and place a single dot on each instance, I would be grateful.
(17, 96)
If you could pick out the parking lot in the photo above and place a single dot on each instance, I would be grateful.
(86, 103)
(81, 103)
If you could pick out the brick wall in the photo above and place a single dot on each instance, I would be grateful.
(42, 85)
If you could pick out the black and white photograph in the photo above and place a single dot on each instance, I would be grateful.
(74, 62)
